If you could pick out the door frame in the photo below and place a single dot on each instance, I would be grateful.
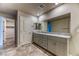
(16, 32)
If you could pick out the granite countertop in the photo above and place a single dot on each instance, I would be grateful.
(57, 34)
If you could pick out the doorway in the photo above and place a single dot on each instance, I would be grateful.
(9, 40)
(25, 30)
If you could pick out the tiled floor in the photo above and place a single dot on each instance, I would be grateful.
(25, 50)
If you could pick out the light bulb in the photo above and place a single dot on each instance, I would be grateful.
(56, 3)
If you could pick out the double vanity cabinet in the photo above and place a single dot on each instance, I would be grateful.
(40, 40)
(55, 44)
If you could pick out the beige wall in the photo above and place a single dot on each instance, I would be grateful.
(74, 24)
(74, 42)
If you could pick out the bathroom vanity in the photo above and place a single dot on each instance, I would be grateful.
(56, 43)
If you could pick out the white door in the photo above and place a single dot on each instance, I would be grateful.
(25, 30)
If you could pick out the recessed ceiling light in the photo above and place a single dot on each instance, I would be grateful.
(56, 3)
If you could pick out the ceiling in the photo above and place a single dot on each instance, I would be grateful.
(35, 9)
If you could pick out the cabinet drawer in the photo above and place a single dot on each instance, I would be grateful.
(44, 40)
(62, 40)
(58, 39)
(61, 49)
(40, 42)
(51, 45)
(51, 37)
(35, 40)
(44, 46)
(45, 36)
